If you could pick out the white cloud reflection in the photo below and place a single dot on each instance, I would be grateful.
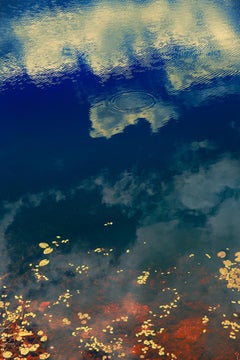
(111, 36)
(182, 42)
(11, 210)
(211, 193)
(203, 190)
(7, 219)
(159, 207)
(107, 121)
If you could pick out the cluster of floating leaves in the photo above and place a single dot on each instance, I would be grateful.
(18, 337)
(17, 341)
(162, 314)
(230, 271)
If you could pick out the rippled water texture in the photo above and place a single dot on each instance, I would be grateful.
(120, 179)
(190, 42)
(180, 44)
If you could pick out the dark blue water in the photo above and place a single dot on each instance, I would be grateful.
(46, 149)
(120, 130)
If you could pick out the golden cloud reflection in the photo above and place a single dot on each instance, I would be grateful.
(126, 108)
(52, 42)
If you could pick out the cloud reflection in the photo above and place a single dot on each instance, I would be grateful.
(183, 42)
(108, 120)
(196, 40)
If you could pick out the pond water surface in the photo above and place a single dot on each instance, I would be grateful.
(119, 148)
